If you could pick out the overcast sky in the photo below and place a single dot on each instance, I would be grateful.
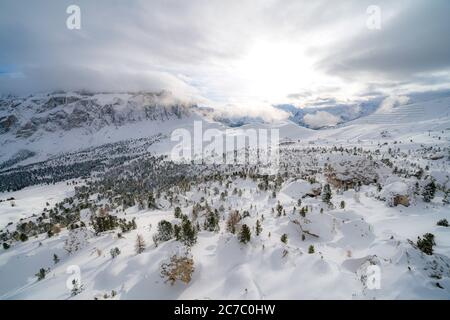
(227, 52)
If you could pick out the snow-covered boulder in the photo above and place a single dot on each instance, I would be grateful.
(300, 188)
(396, 193)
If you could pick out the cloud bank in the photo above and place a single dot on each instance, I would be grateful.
(391, 102)
(271, 51)
(321, 119)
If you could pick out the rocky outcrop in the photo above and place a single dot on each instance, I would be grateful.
(6, 123)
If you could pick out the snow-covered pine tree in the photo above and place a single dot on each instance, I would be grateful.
(258, 227)
(245, 234)
(188, 233)
(326, 194)
(140, 244)
(428, 192)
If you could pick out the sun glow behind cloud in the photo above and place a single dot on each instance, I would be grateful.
(271, 70)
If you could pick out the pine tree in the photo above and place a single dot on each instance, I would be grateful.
(212, 222)
(311, 249)
(177, 232)
(23, 237)
(284, 238)
(245, 234)
(114, 252)
(188, 233)
(177, 213)
(76, 288)
(55, 259)
(426, 244)
(140, 244)
(41, 274)
(258, 228)
(279, 209)
(151, 202)
(342, 204)
(443, 223)
(140, 203)
(326, 194)
(165, 230)
(445, 199)
(429, 191)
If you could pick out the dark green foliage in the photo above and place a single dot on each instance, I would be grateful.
(426, 244)
(41, 274)
(55, 259)
(429, 192)
(165, 231)
(177, 232)
(6, 246)
(279, 209)
(258, 228)
(104, 223)
(188, 233)
(311, 249)
(126, 226)
(303, 212)
(443, 223)
(177, 213)
(151, 202)
(326, 194)
(23, 237)
(284, 238)
(212, 222)
(245, 234)
(114, 252)
(342, 204)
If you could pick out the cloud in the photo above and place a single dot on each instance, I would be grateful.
(411, 41)
(321, 119)
(391, 102)
(105, 79)
(264, 111)
(201, 48)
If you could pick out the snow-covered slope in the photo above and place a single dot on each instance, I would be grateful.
(309, 246)
(409, 113)
(420, 122)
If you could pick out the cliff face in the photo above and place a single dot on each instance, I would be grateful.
(23, 117)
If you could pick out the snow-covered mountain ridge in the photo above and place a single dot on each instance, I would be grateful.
(24, 117)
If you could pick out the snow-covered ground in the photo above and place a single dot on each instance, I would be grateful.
(265, 268)
(347, 239)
